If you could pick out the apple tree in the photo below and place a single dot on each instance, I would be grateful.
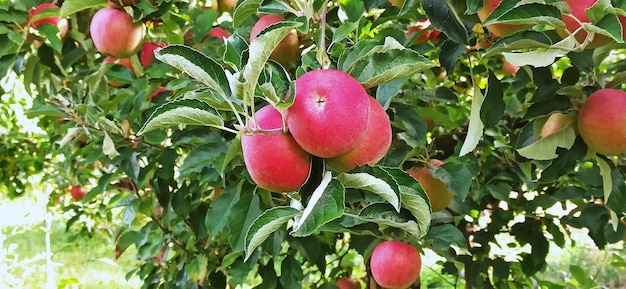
(169, 137)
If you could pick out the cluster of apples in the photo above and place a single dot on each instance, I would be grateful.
(332, 117)
(573, 21)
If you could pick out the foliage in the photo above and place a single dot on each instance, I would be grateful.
(173, 165)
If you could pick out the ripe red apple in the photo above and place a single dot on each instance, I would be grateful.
(374, 145)
(147, 52)
(57, 21)
(288, 49)
(436, 190)
(395, 265)
(329, 115)
(498, 29)
(274, 160)
(557, 122)
(114, 33)
(347, 283)
(218, 32)
(78, 192)
(602, 121)
(578, 10)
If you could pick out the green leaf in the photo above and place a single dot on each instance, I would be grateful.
(70, 7)
(476, 126)
(456, 176)
(372, 184)
(245, 9)
(182, 112)
(444, 18)
(242, 215)
(197, 268)
(326, 204)
(219, 212)
(542, 57)
(524, 14)
(197, 65)
(384, 215)
(545, 148)
(264, 225)
(492, 110)
(291, 275)
(446, 235)
(51, 33)
(260, 50)
(387, 62)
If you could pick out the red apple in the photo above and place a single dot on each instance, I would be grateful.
(509, 68)
(602, 121)
(498, 29)
(288, 49)
(57, 21)
(436, 190)
(274, 160)
(395, 265)
(347, 283)
(557, 122)
(578, 10)
(114, 33)
(218, 32)
(147, 52)
(329, 115)
(78, 192)
(374, 145)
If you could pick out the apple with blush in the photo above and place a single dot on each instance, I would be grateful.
(61, 23)
(557, 122)
(578, 14)
(115, 34)
(347, 283)
(438, 194)
(78, 192)
(602, 121)
(374, 145)
(288, 50)
(501, 30)
(273, 158)
(147, 52)
(395, 264)
(329, 115)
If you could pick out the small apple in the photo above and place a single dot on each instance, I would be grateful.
(347, 283)
(78, 192)
(498, 29)
(329, 115)
(57, 21)
(436, 190)
(374, 145)
(288, 49)
(395, 264)
(227, 5)
(147, 52)
(114, 33)
(602, 121)
(557, 122)
(156, 92)
(218, 32)
(578, 10)
(509, 68)
(273, 158)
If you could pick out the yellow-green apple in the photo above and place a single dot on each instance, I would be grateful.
(498, 29)
(273, 158)
(557, 122)
(78, 192)
(395, 264)
(126, 62)
(227, 5)
(347, 283)
(114, 33)
(329, 115)
(147, 52)
(436, 190)
(57, 21)
(578, 10)
(602, 121)
(374, 145)
(397, 3)
(288, 49)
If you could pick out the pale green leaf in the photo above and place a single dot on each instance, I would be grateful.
(476, 126)
(182, 112)
(545, 148)
(108, 147)
(607, 184)
(372, 184)
(245, 9)
(326, 204)
(70, 7)
(264, 225)
(542, 57)
(385, 216)
(197, 65)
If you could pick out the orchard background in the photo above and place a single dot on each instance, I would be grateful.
(162, 175)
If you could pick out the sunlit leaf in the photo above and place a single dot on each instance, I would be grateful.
(182, 112)
(264, 225)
